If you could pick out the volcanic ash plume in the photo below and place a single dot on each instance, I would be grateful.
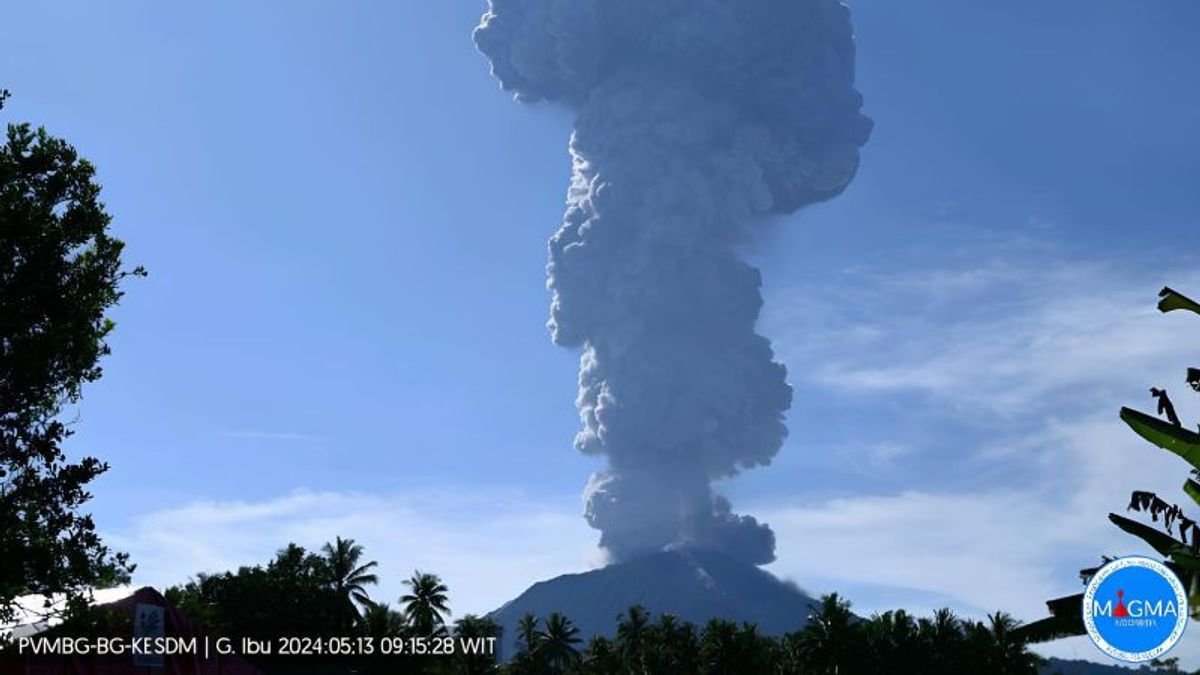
(694, 118)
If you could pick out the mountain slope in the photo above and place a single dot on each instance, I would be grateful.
(695, 585)
(1064, 667)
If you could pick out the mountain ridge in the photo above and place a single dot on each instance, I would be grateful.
(693, 584)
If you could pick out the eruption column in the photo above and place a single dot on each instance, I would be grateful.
(694, 118)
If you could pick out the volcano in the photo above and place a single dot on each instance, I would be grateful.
(693, 584)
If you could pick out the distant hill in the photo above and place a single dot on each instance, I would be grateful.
(695, 585)
(1063, 667)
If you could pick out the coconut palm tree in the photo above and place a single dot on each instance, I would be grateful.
(671, 646)
(1008, 654)
(631, 634)
(942, 639)
(425, 603)
(601, 658)
(380, 621)
(349, 579)
(527, 632)
(719, 648)
(528, 660)
(893, 644)
(792, 658)
(828, 640)
(557, 642)
(471, 628)
(756, 653)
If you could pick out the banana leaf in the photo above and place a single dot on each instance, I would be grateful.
(1159, 541)
(1165, 435)
(1173, 300)
(1192, 488)
(1066, 607)
(1194, 597)
(1186, 560)
(1049, 628)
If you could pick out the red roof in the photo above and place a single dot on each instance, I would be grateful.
(176, 625)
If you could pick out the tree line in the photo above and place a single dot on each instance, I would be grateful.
(327, 593)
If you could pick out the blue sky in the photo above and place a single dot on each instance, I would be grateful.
(343, 330)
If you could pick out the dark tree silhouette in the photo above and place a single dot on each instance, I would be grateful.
(425, 604)
(348, 578)
(528, 659)
(671, 646)
(631, 633)
(557, 643)
(380, 621)
(254, 602)
(290, 596)
(600, 658)
(475, 662)
(829, 641)
(60, 272)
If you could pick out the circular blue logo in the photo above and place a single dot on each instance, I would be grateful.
(1135, 609)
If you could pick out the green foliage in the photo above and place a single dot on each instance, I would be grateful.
(349, 579)
(297, 594)
(60, 272)
(833, 641)
(425, 604)
(830, 636)
(556, 644)
(475, 662)
(1181, 556)
(1192, 489)
(1167, 436)
(1159, 541)
(1172, 300)
(292, 595)
(380, 621)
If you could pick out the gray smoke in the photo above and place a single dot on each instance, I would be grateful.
(694, 118)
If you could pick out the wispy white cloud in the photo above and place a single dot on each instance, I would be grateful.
(1000, 338)
(1005, 548)
(487, 546)
(1033, 355)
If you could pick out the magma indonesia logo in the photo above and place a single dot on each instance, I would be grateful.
(1135, 609)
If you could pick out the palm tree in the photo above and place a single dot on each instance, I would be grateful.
(719, 648)
(631, 633)
(1009, 655)
(671, 646)
(347, 578)
(527, 632)
(600, 658)
(791, 653)
(756, 653)
(380, 621)
(557, 642)
(827, 640)
(893, 644)
(425, 603)
(942, 639)
(472, 629)
(528, 659)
